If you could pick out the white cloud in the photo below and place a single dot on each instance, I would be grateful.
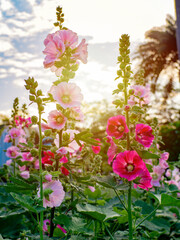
(6, 5)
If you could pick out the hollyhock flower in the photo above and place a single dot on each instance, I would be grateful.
(28, 122)
(14, 133)
(45, 223)
(63, 159)
(162, 161)
(168, 173)
(23, 168)
(56, 120)
(144, 180)
(45, 127)
(128, 165)
(142, 92)
(76, 113)
(25, 174)
(36, 164)
(12, 152)
(53, 194)
(26, 156)
(47, 158)
(112, 151)
(156, 175)
(62, 151)
(81, 52)
(69, 38)
(68, 95)
(48, 177)
(62, 229)
(97, 149)
(8, 162)
(92, 188)
(144, 134)
(7, 138)
(64, 171)
(116, 126)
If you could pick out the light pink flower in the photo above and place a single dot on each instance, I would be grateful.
(48, 177)
(142, 92)
(128, 165)
(15, 133)
(156, 175)
(23, 168)
(144, 134)
(97, 149)
(25, 174)
(62, 151)
(69, 38)
(162, 161)
(116, 126)
(12, 152)
(81, 52)
(144, 181)
(36, 164)
(7, 138)
(76, 113)
(56, 120)
(26, 156)
(45, 127)
(67, 95)
(56, 195)
(8, 162)
(92, 188)
(112, 151)
(168, 173)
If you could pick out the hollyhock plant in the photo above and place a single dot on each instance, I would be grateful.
(128, 165)
(12, 152)
(53, 194)
(68, 95)
(97, 149)
(112, 151)
(116, 126)
(56, 120)
(144, 134)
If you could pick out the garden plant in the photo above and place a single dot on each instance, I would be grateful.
(61, 182)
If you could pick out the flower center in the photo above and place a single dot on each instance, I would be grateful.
(154, 176)
(59, 119)
(66, 99)
(130, 167)
(120, 128)
(13, 154)
(15, 135)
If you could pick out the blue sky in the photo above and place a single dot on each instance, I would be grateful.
(24, 24)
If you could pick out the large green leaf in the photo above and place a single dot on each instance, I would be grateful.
(147, 155)
(167, 200)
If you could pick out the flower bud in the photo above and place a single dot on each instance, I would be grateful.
(39, 100)
(66, 136)
(128, 68)
(47, 132)
(131, 91)
(120, 86)
(120, 59)
(122, 65)
(39, 92)
(34, 120)
(127, 108)
(34, 152)
(119, 73)
(32, 91)
(41, 108)
(32, 98)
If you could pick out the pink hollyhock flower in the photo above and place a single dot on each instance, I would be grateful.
(68, 95)
(53, 194)
(45, 127)
(45, 223)
(56, 120)
(92, 188)
(162, 161)
(62, 151)
(47, 158)
(48, 177)
(8, 162)
(64, 171)
(7, 138)
(97, 149)
(14, 133)
(144, 134)
(144, 180)
(128, 165)
(36, 164)
(28, 122)
(76, 113)
(26, 156)
(81, 52)
(62, 229)
(142, 92)
(116, 126)
(12, 152)
(112, 151)
(168, 173)
(23, 168)
(25, 174)
(156, 175)
(63, 159)
(54, 48)
(69, 38)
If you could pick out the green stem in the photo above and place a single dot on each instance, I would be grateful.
(130, 213)
(147, 216)
(108, 232)
(40, 172)
(51, 222)
(120, 199)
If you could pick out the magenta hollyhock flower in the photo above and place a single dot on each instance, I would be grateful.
(56, 120)
(23, 168)
(12, 152)
(68, 95)
(144, 180)
(62, 229)
(64, 171)
(128, 165)
(26, 156)
(47, 157)
(81, 52)
(116, 126)
(144, 134)
(156, 175)
(14, 133)
(25, 174)
(46, 222)
(54, 194)
(63, 159)
(112, 151)
(97, 149)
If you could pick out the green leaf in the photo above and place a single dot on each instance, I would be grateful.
(137, 109)
(157, 224)
(167, 200)
(147, 155)
(92, 211)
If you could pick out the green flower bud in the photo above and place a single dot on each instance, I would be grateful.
(39, 92)
(32, 91)
(34, 119)
(39, 100)
(127, 74)
(41, 108)
(122, 65)
(121, 86)
(131, 91)
(66, 136)
(119, 73)
(120, 59)
(32, 98)
(47, 192)
(34, 152)
(128, 68)
(47, 132)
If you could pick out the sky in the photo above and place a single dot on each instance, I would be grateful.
(24, 24)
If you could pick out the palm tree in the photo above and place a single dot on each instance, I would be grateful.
(158, 54)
